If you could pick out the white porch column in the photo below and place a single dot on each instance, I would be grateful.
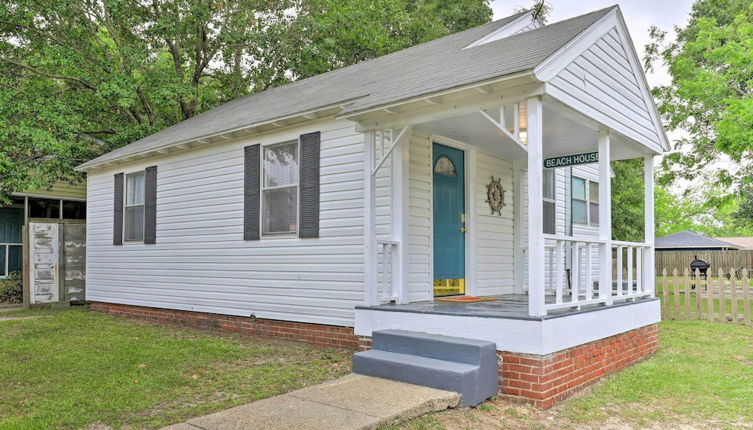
(369, 222)
(519, 268)
(536, 276)
(605, 217)
(649, 225)
(400, 215)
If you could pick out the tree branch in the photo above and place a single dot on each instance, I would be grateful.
(50, 75)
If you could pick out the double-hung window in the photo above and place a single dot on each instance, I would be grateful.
(585, 201)
(133, 214)
(550, 202)
(280, 189)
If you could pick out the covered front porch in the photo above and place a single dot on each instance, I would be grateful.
(527, 255)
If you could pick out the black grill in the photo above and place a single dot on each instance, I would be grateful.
(702, 266)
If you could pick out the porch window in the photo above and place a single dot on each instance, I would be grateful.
(585, 201)
(133, 213)
(280, 189)
(550, 202)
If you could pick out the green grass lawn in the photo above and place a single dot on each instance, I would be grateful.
(69, 368)
(701, 377)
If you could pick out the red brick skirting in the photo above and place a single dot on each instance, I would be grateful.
(315, 334)
(545, 380)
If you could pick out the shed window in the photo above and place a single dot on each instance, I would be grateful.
(133, 214)
(280, 189)
(550, 202)
(585, 199)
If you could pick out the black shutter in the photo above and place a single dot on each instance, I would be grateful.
(309, 205)
(150, 205)
(117, 211)
(251, 192)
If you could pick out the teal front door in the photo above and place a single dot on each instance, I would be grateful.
(449, 220)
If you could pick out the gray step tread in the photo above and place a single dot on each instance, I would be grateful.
(433, 337)
(415, 360)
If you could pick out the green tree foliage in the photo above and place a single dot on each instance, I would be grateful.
(702, 213)
(710, 96)
(82, 77)
(628, 200)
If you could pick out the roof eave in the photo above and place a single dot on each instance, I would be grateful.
(247, 130)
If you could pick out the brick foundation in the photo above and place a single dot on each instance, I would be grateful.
(314, 334)
(545, 380)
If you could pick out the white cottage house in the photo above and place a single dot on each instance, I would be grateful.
(328, 209)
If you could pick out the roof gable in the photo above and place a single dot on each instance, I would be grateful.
(598, 73)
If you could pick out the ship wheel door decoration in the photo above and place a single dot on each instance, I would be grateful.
(495, 196)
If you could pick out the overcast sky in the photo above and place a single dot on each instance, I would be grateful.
(639, 15)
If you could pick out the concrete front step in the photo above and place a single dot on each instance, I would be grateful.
(448, 348)
(466, 366)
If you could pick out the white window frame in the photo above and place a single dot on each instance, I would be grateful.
(553, 199)
(262, 188)
(588, 201)
(125, 206)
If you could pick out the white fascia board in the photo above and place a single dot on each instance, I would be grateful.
(507, 30)
(627, 41)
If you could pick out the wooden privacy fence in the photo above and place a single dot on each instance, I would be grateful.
(724, 296)
(671, 260)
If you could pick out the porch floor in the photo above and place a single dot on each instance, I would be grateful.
(513, 306)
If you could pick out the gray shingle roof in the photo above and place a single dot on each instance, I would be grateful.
(688, 239)
(420, 70)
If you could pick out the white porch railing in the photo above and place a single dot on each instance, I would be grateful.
(388, 277)
(632, 279)
(573, 272)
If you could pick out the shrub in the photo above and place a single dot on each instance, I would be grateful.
(12, 289)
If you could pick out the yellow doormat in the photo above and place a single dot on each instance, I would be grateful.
(466, 299)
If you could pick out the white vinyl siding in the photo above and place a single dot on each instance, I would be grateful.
(493, 234)
(421, 263)
(202, 263)
(602, 81)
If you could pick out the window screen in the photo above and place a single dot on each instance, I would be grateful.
(550, 205)
(280, 189)
(593, 202)
(133, 221)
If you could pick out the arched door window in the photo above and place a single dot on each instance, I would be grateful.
(445, 167)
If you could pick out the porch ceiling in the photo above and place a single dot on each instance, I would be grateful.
(565, 132)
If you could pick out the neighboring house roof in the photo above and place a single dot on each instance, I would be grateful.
(744, 242)
(690, 240)
(421, 70)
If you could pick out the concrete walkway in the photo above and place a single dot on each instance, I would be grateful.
(349, 403)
